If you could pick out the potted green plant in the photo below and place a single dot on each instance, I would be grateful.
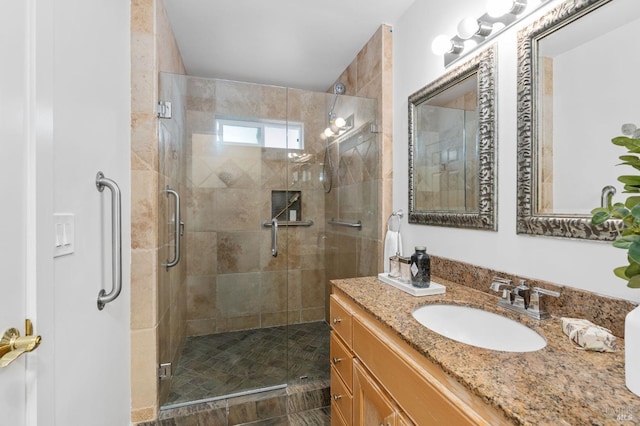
(629, 211)
(628, 239)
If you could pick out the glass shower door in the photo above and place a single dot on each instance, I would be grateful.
(235, 298)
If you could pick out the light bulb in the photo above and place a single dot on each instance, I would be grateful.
(323, 136)
(469, 45)
(497, 26)
(467, 28)
(328, 132)
(497, 8)
(340, 122)
(441, 45)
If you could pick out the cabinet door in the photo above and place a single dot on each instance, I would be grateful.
(371, 406)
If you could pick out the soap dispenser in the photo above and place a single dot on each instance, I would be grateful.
(420, 268)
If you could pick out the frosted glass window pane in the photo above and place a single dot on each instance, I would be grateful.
(275, 137)
(260, 132)
(240, 134)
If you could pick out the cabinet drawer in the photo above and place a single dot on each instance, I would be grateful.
(336, 417)
(340, 318)
(341, 360)
(416, 395)
(341, 398)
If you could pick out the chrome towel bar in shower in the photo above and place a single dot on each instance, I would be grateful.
(357, 224)
(116, 240)
(274, 223)
(268, 223)
(178, 227)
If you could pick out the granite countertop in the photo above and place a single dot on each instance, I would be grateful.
(557, 385)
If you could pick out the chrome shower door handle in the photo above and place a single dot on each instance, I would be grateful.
(178, 227)
(274, 237)
(116, 240)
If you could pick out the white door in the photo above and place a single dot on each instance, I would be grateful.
(64, 116)
(14, 215)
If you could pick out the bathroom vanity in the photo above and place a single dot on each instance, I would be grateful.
(388, 369)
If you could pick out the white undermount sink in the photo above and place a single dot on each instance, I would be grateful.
(479, 328)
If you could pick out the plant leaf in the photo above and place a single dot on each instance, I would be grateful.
(628, 143)
(600, 217)
(632, 270)
(622, 244)
(630, 180)
(634, 282)
(634, 251)
(631, 202)
(620, 212)
(620, 272)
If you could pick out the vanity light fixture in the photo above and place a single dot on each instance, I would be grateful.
(473, 32)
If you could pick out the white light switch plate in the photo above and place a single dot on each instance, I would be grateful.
(64, 234)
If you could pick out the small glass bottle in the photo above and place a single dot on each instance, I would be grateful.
(394, 267)
(420, 268)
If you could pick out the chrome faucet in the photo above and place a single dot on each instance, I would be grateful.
(523, 291)
(522, 299)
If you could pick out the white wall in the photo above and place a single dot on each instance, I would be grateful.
(582, 264)
(91, 132)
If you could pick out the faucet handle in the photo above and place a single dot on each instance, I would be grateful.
(541, 290)
(499, 282)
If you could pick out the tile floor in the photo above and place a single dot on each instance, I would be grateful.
(216, 365)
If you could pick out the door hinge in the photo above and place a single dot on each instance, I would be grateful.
(164, 371)
(164, 109)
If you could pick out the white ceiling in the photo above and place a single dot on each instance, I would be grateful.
(297, 43)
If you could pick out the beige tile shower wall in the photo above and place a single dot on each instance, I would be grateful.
(369, 75)
(233, 281)
(153, 49)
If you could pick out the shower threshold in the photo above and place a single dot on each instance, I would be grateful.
(222, 397)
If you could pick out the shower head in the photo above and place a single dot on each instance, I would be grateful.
(339, 89)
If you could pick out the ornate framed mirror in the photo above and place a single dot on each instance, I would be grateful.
(452, 147)
(575, 90)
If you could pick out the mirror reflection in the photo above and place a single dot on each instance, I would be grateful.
(575, 90)
(451, 148)
(446, 164)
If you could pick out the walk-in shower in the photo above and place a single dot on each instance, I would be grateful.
(237, 318)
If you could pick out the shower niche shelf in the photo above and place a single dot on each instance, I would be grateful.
(286, 206)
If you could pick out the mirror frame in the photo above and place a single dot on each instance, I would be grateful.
(484, 65)
(529, 221)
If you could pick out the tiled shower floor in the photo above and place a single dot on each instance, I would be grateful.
(215, 365)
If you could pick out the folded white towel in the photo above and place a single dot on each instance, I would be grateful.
(392, 245)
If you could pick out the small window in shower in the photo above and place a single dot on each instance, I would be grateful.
(259, 132)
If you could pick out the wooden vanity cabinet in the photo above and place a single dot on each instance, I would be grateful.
(389, 383)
